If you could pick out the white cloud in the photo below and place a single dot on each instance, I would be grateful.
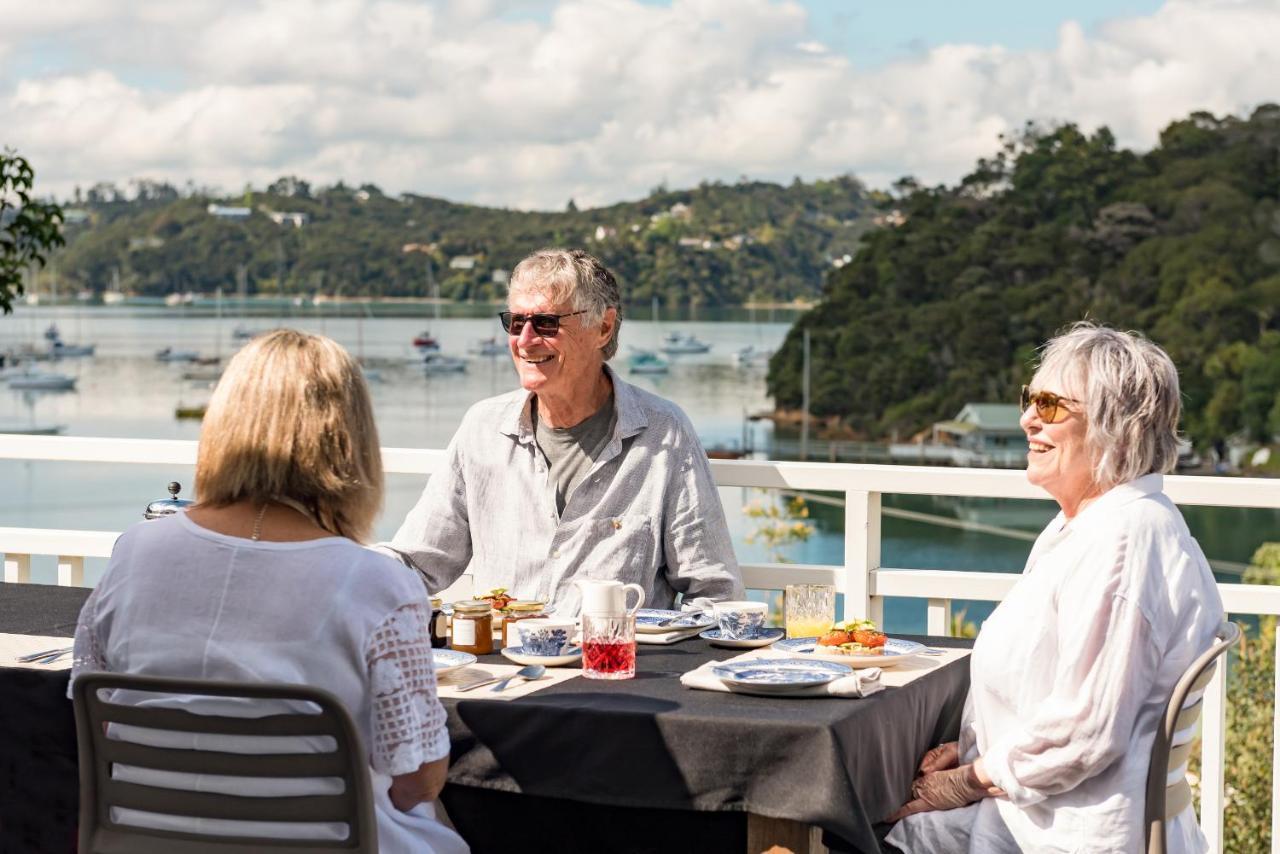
(597, 99)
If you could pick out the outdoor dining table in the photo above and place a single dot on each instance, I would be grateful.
(625, 763)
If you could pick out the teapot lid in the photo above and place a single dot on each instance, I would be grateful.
(167, 506)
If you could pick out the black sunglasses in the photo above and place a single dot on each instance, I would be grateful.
(546, 325)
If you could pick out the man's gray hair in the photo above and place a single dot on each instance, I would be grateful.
(1130, 396)
(575, 277)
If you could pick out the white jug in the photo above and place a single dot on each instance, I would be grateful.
(607, 598)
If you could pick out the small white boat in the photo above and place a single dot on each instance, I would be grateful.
(487, 347)
(172, 354)
(32, 429)
(647, 362)
(42, 381)
(438, 363)
(676, 342)
(52, 332)
(750, 355)
(60, 349)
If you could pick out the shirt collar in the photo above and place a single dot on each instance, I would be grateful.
(517, 417)
(1117, 496)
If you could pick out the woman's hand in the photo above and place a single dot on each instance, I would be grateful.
(409, 790)
(945, 790)
(942, 758)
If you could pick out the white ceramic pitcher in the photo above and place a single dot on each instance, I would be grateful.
(608, 598)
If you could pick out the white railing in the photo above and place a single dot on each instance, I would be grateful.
(862, 580)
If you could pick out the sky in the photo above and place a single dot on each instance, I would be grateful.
(530, 103)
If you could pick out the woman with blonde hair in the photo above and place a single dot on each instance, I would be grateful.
(265, 580)
(1071, 673)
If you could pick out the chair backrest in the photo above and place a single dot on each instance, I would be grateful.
(184, 820)
(1168, 792)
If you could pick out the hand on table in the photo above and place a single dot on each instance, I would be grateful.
(945, 790)
(942, 758)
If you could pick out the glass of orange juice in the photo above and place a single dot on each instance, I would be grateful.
(810, 609)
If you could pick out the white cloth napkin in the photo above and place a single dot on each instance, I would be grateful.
(673, 636)
(860, 683)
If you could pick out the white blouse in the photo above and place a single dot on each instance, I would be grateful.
(1070, 676)
(180, 600)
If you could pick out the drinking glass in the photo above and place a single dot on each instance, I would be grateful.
(608, 647)
(810, 609)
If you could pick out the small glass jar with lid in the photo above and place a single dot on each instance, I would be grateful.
(439, 624)
(514, 613)
(472, 627)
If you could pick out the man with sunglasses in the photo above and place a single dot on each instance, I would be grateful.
(577, 474)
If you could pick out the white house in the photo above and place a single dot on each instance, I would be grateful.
(228, 212)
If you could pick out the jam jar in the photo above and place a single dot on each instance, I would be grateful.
(514, 613)
(473, 627)
(439, 624)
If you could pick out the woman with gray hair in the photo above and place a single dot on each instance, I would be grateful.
(1071, 672)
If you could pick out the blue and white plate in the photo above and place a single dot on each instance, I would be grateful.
(767, 636)
(450, 659)
(896, 652)
(779, 675)
(650, 620)
(517, 654)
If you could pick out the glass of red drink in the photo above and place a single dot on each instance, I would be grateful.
(608, 647)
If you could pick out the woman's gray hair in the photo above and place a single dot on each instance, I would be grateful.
(1129, 391)
(575, 277)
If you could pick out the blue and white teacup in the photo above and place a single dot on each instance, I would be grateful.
(741, 620)
(546, 637)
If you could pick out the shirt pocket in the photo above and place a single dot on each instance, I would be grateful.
(620, 547)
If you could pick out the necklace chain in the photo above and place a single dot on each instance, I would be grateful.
(257, 522)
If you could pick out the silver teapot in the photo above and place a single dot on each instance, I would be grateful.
(167, 506)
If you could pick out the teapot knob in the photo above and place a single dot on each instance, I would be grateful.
(174, 488)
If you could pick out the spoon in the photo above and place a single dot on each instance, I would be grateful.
(529, 671)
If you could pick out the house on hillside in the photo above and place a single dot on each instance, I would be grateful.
(982, 427)
(462, 262)
(293, 218)
(228, 211)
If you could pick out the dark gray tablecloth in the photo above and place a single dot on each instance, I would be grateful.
(643, 747)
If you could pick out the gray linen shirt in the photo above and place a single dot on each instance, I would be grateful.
(647, 512)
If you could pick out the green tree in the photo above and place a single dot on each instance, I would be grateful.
(29, 229)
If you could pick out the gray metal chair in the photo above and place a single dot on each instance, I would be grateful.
(1164, 799)
(99, 792)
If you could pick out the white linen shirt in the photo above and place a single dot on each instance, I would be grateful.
(646, 512)
(1070, 676)
(180, 600)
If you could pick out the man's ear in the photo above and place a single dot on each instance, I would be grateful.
(607, 325)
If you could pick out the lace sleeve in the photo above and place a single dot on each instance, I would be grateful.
(408, 721)
(87, 654)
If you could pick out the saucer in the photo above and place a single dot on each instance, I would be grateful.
(519, 656)
(450, 659)
(767, 636)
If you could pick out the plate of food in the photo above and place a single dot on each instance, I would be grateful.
(778, 675)
(450, 659)
(857, 643)
(662, 620)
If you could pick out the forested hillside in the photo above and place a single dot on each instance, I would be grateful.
(716, 244)
(1182, 243)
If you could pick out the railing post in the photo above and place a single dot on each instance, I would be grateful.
(1213, 759)
(1275, 760)
(17, 568)
(861, 555)
(70, 571)
(940, 617)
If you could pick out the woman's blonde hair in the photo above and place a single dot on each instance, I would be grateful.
(291, 417)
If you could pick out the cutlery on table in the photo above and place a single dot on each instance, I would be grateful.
(479, 683)
(39, 657)
(679, 618)
(529, 671)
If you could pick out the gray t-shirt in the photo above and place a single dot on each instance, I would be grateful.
(571, 451)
